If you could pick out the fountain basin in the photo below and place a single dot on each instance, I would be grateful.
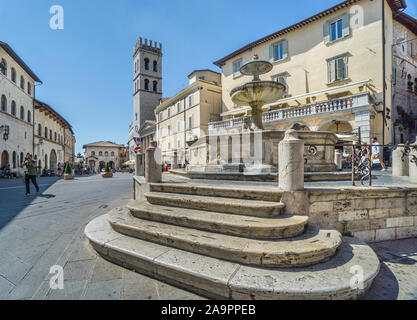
(257, 93)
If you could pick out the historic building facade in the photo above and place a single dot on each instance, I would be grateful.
(49, 138)
(17, 89)
(333, 66)
(97, 154)
(404, 82)
(183, 118)
(147, 85)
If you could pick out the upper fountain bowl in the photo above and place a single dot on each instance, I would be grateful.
(256, 67)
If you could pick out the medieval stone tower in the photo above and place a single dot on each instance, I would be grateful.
(147, 82)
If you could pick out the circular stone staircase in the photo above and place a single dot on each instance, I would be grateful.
(232, 243)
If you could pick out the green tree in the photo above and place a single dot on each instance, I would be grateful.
(68, 169)
(107, 167)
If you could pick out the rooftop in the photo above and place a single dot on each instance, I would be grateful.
(19, 61)
(43, 107)
(103, 144)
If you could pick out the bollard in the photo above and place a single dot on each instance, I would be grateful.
(399, 167)
(338, 159)
(291, 162)
(153, 163)
(174, 161)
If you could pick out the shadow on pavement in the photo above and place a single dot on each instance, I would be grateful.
(13, 199)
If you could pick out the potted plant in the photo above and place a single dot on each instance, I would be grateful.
(106, 172)
(68, 173)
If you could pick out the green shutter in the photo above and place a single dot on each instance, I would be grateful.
(271, 52)
(340, 69)
(326, 32)
(284, 49)
(331, 65)
(346, 25)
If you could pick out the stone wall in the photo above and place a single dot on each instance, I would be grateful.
(371, 214)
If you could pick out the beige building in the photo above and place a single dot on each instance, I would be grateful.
(97, 154)
(50, 147)
(17, 91)
(333, 66)
(404, 82)
(183, 118)
(69, 142)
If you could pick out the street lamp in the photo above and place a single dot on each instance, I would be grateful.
(6, 131)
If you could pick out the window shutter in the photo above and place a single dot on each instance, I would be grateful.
(271, 52)
(284, 49)
(340, 69)
(346, 25)
(332, 70)
(326, 32)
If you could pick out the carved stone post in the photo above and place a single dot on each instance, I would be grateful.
(153, 163)
(140, 165)
(399, 167)
(291, 162)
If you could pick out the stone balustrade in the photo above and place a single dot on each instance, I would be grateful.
(311, 109)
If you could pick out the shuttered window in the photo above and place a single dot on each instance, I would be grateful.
(278, 51)
(236, 67)
(337, 69)
(336, 29)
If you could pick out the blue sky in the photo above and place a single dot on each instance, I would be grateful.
(86, 68)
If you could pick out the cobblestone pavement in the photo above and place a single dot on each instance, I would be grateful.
(39, 232)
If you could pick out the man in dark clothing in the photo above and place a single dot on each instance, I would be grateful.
(30, 175)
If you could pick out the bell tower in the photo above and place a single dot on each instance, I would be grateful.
(147, 84)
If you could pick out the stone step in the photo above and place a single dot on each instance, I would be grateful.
(251, 227)
(219, 279)
(255, 208)
(312, 247)
(224, 191)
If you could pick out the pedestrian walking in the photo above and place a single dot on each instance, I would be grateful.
(376, 153)
(30, 174)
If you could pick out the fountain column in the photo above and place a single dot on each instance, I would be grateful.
(291, 162)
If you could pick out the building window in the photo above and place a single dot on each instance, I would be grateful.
(29, 88)
(39, 130)
(337, 69)
(190, 122)
(112, 153)
(202, 78)
(155, 66)
(179, 126)
(55, 136)
(279, 50)
(136, 116)
(106, 153)
(281, 78)
(336, 30)
(14, 108)
(160, 116)
(236, 67)
(146, 84)
(29, 116)
(22, 83)
(22, 113)
(146, 64)
(50, 134)
(169, 112)
(394, 76)
(46, 132)
(3, 103)
(155, 86)
(4, 68)
(169, 130)
(13, 75)
(100, 153)
(93, 153)
(190, 100)
(178, 107)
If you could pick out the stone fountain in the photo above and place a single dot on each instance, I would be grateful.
(257, 93)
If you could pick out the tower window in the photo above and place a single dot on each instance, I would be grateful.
(22, 113)
(3, 103)
(155, 66)
(155, 86)
(29, 88)
(14, 108)
(146, 64)
(146, 84)
(4, 67)
(22, 83)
